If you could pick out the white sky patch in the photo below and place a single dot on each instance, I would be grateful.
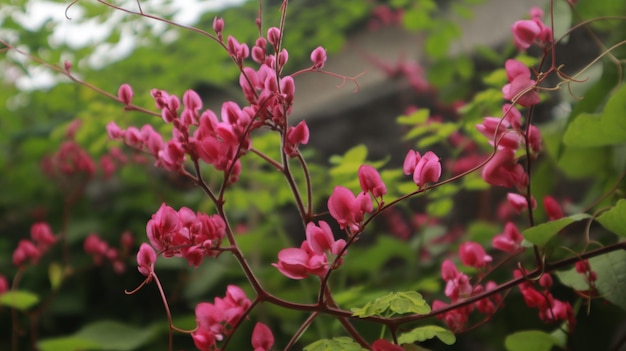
(80, 31)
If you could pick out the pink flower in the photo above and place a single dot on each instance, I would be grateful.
(410, 161)
(472, 254)
(318, 56)
(273, 36)
(320, 238)
(24, 252)
(519, 202)
(218, 26)
(552, 207)
(520, 88)
(125, 94)
(41, 233)
(384, 345)
(162, 227)
(4, 284)
(427, 170)
(295, 136)
(503, 170)
(370, 181)
(262, 337)
(508, 241)
(347, 209)
(145, 259)
(525, 32)
(293, 263)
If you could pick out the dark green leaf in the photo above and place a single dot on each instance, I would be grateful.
(530, 340)
(427, 332)
(542, 233)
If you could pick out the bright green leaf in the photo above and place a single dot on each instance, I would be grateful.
(530, 340)
(55, 275)
(19, 299)
(343, 343)
(418, 117)
(615, 218)
(427, 332)
(611, 272)
(607, 128)
(69, 343)
(542, 233)
(113, 335)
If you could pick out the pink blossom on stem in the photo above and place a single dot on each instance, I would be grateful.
(273, 36)
(525, 32)
(473, 254)
(295, 136)
(125, 94)
(510, 240)
(293, 263)
(318, 56)
(4, 284)
(552, 207)
(427, 170)
(503, 170)
(145, 259)
(520, 88)
(519, 202)
(347, 209)
(262, 337)
(41, 233)
(370, 181)
(218, 26)
(385, 345)
(410, 161)
(25, 251)
(320, 238)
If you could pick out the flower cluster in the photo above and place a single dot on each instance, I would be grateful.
(529, 32)
(459, 287)
(216, 320)
(550, 309)
(30, 251)
(100, 250)
(312, 256)
(186, 234)
(425, 169)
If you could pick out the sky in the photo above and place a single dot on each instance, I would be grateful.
(80, 31)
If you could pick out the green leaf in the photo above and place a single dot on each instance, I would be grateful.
(398, 303)
(542, 233)
(418, 117)
(530, 340)
(19, 299)
(55, 275)
(615, 218)
(68, 343)
(606, 128)
(113, 335)
(427, 332)
(610, 270)
(342, 343)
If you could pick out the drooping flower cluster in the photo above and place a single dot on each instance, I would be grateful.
(100, 250)
(425, 169)
(30, 251)
(186, 234)
(532, 31)
(311, 258)
(216, 320)
(459, 287)
(550, 309)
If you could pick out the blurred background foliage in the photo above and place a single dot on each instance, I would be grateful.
(90, 311)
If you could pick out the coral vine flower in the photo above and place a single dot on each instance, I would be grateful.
(318, 56)
(370, 181)
(145, 259)
(347, 209)
(520, 86)
(525, 32)
(552, 207)
(425, 169)
(262, 337)
(125, 94)
(510, 240)
(384, 345)
(473, 254)
(519, 202)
